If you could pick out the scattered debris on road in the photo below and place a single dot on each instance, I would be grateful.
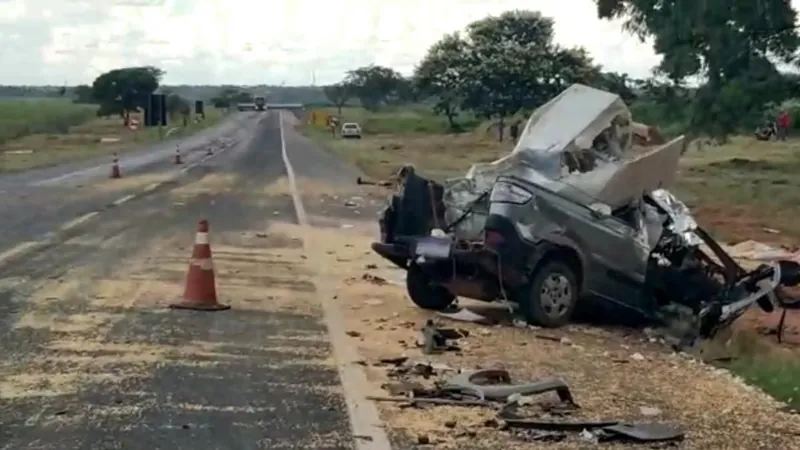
(436, 340)
(466, 315)
(421, 385)
(616, 377)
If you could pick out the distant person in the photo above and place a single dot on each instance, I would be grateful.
(332, 125)
(514, 131)
(767, 131)
(784, 123)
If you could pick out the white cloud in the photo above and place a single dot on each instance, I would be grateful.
(248, 41)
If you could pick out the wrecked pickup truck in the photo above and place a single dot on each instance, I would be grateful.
(574, 212)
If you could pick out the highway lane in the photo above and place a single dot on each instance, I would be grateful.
(38, 202)
(135, 161)
(92, 359)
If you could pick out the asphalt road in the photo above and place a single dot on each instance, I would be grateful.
(91, 358)
(35, 203)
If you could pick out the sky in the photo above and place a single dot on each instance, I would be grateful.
(248, 42)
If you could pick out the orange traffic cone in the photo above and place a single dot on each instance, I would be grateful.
(200, 292)
(115, 173)
(177, 155)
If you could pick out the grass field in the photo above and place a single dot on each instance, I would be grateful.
(44, 132)
(20, 118)
(415, 135)
(742, 190)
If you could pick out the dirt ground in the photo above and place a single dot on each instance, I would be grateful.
(439, 156)
(617, 376)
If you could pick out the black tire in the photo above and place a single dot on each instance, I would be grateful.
(533, 304)
(424, 293)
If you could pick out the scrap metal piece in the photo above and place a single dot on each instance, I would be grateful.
(433, 247)
(435, 340)
(430, 400)
(550, 425)
(404, 388)
(646, 432)
(466, 315)
(509, 411)
(495, 384)
(538, 435)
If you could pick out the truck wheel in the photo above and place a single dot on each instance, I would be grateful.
(551, 296)
(424, 293)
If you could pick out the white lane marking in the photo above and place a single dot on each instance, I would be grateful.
(24, 247)
(18, 250)
(204, 159)
(75, 222)
(364, 417)
(298, 203)
(151, 187)
(228, 124)
(124, 199)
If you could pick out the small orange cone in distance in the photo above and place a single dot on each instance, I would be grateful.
(200, 292)
(115, 173)
(177, 155)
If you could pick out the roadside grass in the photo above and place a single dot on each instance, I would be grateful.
(86, 138)
(23, 117)
(401, 120)
(742, 190)
(763, 364)
(745, 189)
(415, 135)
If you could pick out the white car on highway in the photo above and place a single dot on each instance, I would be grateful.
(351, 130)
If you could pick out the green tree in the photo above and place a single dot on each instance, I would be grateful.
(223, 99)
(231, 95)
(177, 105)
(83, 94)
(618, 83)
(338, 94)
(242, 97)
(125, 90)
(664, 102)
(374, 85)
(404, 92)
(731, 45)
(440, 75)
(511, 63)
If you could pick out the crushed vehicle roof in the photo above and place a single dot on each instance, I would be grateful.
(584, 121)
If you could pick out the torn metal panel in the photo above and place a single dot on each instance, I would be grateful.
(640, 176)
(577, 145)
(492, 384)
(572, 120)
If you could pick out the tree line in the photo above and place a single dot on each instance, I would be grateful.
(506, 64)
(126, 90)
